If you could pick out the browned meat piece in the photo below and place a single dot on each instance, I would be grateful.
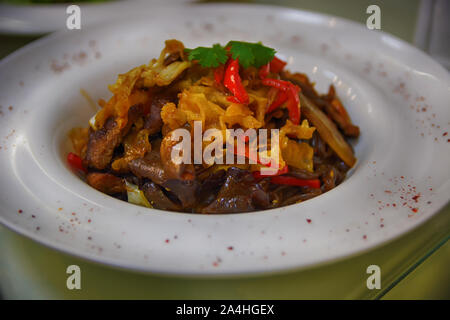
(240, 193)
(210, 187)
(149, 167)
(157, 198)
(101, 145)
(173, 170)
(102, 142)
(153, 121)
(106, 182)
(184, 190)
(135, 111)
(338, 113)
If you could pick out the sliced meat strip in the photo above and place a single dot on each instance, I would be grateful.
(210, 187)
(134, 113)
(240, 193)
(102, 142)
(184, 190)
(101, 145)
(106, 182)
(338, 113)
(153, 121)
(157, 198)
(173, 169)
(149, 167)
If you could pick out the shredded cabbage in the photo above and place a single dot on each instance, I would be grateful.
(136, 196)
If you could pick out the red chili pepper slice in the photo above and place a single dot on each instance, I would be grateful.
(246, 153)
(244, 138)
(257, 174)
(75, 162)
(233, 82)
(280, 99)
(219, 73)
(264, 71)
(279, 84)
(277, 65)
(291, 181)
(293, 100)
(294, 104)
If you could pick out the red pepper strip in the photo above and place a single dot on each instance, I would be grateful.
(219, 73)
(245, 153)
(294, 104)
(264, 71)
(292, 94)
(276, 65)
(75, 162)
(279, 84)
(291, 181)
(233, 82)
(281, 98)
(258, 175)
(244, 138)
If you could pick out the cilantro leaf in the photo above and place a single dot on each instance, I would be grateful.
(263, 55)
(254, 54)
(249, 54)
(242, 51)
(209, 57)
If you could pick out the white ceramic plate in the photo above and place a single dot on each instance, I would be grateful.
(395, 93)
(45, 18)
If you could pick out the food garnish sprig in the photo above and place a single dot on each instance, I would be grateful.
(227, 60)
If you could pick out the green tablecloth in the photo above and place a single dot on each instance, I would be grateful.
(29, 270)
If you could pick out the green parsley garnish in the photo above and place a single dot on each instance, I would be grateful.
(249, 54)
(209, 57)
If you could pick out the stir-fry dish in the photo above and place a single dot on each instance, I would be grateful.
(127, 150)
